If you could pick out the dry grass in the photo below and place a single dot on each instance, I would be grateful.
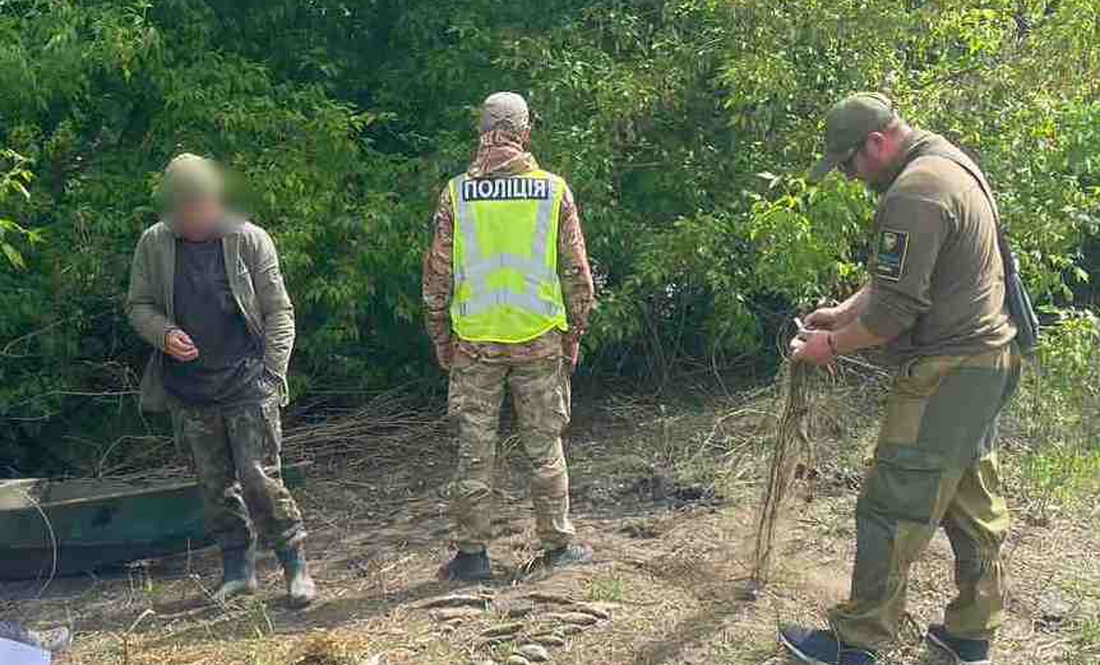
(387, 428)
(670, 568)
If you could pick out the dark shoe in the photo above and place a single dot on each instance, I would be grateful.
(468, 567)
(965, 652)
(573, 554)
(820, 647)
(300, 588)
(238, 573)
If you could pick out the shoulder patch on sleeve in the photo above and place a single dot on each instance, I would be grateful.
(891, 248)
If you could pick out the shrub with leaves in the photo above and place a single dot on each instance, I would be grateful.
(684, 126)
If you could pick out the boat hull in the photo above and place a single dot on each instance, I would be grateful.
(100, 533)
(108, 527)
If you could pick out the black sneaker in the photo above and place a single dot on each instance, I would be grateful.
(820, 647)
(965, 652)
(572, 554)
(467, 567)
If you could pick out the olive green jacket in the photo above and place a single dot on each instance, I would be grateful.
(937, 277)
(254, 277)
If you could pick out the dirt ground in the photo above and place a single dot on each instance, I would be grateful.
(666, 497)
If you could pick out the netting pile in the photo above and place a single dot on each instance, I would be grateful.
(793, 449)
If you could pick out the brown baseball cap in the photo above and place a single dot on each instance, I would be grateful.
(505, 109)
(847, 126)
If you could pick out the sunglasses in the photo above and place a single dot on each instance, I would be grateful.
(848, 165)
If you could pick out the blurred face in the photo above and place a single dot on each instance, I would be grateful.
(197, 218)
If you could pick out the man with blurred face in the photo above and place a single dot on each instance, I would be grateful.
(207, 293)
(936, 302)
(507, 290)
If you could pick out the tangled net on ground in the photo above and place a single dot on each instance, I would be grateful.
(792, 444)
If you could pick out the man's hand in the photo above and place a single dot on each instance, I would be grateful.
(812, 346)
(444, 355)
(826, 318)
(179, 345)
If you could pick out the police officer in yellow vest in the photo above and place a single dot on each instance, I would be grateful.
(507, 293)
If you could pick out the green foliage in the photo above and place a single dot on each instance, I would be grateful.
(685, 127)
(1087, 643)
(14, 179)
(1057, 408)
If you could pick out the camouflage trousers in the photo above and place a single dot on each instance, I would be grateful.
(540, 393)
(235, 452)
(936, 465)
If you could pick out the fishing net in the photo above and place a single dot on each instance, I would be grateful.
(793, 451)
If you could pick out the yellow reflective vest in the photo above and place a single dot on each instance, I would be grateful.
(506, 286)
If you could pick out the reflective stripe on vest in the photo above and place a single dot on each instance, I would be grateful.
(480, 309)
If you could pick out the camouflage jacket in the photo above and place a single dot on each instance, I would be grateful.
(252, 265)
(500, 154)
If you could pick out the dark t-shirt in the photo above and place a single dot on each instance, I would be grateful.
(230, 364)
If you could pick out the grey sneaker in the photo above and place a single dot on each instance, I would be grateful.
(573, 554)
(54, 640)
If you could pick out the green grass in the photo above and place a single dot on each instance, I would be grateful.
(1055, 414)
(1063, 474)
(608, 589)
(1087, 644)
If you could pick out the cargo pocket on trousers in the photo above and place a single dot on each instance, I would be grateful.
(271, 424)
(905, 483)
(179, 440)
(916, 382)
(565, 390)
(454, 397)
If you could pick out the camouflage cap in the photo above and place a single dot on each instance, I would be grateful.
(848, 124)
(504, 110)
(189, 177)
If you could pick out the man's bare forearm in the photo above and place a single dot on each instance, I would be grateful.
(854, 336)
(849, 310)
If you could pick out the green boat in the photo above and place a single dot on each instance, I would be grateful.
(65, 527)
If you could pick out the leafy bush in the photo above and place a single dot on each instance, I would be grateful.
(685, 127)
(1056, 410)
(15, 175)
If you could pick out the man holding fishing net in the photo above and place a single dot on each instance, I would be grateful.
(936, 301)
(507, 293)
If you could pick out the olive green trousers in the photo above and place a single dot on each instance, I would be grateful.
(935, 465)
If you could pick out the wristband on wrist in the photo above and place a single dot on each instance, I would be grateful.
(832, 344)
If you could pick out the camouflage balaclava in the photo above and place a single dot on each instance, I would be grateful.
(505, 111)
(502, 144)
